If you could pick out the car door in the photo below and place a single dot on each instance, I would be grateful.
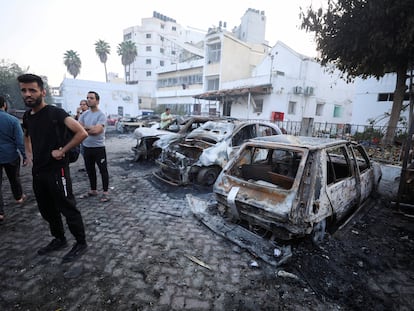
(364, 171)
(342, 188)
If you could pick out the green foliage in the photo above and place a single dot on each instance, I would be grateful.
(364, 38)
(367, 39)
(103, 49)
(9, 88)
(128, 52)
(72, 62)
(370, 134)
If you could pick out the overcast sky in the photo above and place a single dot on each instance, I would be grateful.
(37, 33)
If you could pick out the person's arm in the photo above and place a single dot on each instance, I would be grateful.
(28, 148)
(19, 141)
(99, 127)
(95, 129)
(79, 135)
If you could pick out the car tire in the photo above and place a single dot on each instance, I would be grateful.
(207, 176)
(318, 232)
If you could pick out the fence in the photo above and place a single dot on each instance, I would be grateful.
(369, 136)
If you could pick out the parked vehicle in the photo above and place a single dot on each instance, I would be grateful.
(287, 187)
(204, 152)
(129, 124)
(150, 140)
(112, 119)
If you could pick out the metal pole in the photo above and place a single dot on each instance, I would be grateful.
(402, 189)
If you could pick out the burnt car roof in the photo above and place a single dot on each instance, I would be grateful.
(222, 128)
(300, 141)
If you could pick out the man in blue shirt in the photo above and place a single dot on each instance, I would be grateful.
(11, 144)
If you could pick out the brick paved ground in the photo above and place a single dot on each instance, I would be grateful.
(139, 255)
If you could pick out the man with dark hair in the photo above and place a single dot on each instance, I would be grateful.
(94, 121)
(166, 118)
(11, 144)
(44, 126)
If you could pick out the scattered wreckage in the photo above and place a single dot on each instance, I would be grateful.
(281, 188)
(150, 140)
(200, 157)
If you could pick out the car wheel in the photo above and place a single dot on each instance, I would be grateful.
(318, 232)
(207, 176)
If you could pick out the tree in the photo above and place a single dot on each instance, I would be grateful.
(128, 52)
(103, 49)
(9, 87)
(72, 62)
(366, 39)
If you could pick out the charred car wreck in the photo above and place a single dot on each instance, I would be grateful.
(151, 140)
(285, 187)
(204, 152)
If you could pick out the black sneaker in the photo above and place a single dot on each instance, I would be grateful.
(77, 250)
(54, 245)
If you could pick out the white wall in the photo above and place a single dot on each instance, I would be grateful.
(112, 96)
(366, 104)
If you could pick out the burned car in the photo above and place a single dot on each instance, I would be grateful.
(129, 124)
(288, 187)
(204, 152)
(150, 140)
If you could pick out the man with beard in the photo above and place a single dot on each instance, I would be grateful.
(44, 126)
(94, 121)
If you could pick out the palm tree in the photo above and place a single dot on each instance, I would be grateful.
(72, 62)
(103, 49)
(128, 52)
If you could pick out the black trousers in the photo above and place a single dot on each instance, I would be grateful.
(12, 170)
(92, 156)
(53, 191)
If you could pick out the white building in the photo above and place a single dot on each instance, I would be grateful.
(374, 99)
(115, 98)
(160, 42)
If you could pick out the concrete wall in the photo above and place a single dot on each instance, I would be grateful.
(366, 105)
(113, 96)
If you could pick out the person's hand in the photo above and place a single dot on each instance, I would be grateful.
(58, 154)
(28, 161)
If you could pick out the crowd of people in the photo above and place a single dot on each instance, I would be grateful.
(40, 143)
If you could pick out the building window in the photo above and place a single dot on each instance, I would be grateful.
(127, 36)
(213, 84)
(148, 48)
(174, 28)
(319, 109)
(292, 108)
(148, 36)
(172, 52)
(383, 97)
(214, 52)
(162, 50)
(337, 113)
(161, 63)
(258, 105)
(148, 61)
(148, 73)
(162, 26)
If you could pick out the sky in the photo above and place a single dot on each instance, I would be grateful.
(36, 34)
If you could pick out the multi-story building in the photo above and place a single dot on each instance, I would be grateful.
(227, 56)
(160, 42)
(285, 86)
